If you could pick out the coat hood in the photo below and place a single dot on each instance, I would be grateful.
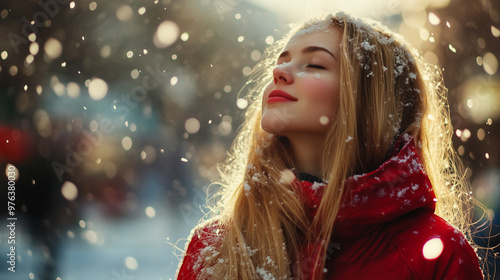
(400, 185)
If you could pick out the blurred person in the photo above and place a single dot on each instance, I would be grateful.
(344, 168)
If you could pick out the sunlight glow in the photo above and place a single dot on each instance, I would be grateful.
(295, 10)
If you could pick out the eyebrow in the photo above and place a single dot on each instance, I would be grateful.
(309, 49)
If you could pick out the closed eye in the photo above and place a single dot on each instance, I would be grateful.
(315, 66)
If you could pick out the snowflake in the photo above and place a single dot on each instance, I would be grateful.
(316, 186)
(367, 46)
(402, 192)
(381, 193)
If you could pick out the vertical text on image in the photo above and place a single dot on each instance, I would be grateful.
(11, 173)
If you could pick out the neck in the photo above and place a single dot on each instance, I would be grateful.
(306, 152)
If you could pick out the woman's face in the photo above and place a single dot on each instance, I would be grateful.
(304, 95)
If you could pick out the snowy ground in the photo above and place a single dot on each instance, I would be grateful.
(130, 249)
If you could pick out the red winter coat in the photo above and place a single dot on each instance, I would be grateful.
(386, 229)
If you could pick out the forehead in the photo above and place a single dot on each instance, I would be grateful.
(325, 36)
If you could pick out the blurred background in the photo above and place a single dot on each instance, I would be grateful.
(114, 114)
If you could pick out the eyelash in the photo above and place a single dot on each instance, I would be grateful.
(315, 66)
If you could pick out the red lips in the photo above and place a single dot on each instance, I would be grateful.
(280, 96)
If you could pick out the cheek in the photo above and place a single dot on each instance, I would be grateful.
(321, 90)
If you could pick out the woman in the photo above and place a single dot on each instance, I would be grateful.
(344, 168)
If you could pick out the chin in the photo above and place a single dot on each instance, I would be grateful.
(273, 125)
(270, 130)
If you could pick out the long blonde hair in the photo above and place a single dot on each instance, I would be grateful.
(385, 90)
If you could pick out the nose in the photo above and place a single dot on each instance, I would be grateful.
(282, 74)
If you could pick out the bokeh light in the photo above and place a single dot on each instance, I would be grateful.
(166, 34)
(98, 89)
(432, 249)
(69, 190)
(53, 48)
